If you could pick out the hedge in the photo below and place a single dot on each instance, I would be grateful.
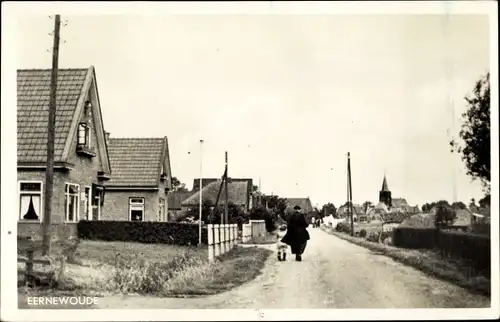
(143, 232)
(471, 248)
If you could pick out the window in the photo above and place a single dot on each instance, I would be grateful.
(161, 210)
(71, 201)
(30, 200)
(84, 135)
(88, 203)
(136, 209)
(97, 201)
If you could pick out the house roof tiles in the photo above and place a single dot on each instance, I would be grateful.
(33, 95)
(303, 203)
(136, 161)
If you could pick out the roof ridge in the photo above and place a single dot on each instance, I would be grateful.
(49, 69)
(135, 138)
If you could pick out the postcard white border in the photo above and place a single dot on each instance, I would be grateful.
(8, 144)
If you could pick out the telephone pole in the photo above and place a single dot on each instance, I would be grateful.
(201, 193)
(350, 191)
(49, 172)
(226, 197)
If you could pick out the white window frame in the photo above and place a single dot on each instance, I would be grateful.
(88, 206)
(66, 202)
(19, 192)
(87, 134)
(135, 205)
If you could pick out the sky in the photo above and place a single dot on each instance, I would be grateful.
(287, 96)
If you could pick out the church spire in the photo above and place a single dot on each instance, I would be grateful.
(385, 187)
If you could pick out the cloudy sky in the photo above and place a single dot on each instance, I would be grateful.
(286, 95)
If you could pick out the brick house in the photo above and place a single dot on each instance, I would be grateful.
(141, 180)
(81, 163)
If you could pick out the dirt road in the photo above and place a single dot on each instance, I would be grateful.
(333, 274)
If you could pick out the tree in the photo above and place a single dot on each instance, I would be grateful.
(366, 205)
(475, 133)
(458, 205)
(328, 209)
(177, 185)
(485, 202)
(445, 214)
(472, 204)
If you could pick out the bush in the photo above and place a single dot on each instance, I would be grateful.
(343, 227)
(362, 233)
(142, 232)
(373, 236)
(474, 249)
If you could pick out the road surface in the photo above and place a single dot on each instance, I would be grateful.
(333, 274)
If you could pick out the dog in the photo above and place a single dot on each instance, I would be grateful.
(281, 247)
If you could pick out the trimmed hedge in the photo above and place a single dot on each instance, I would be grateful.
(142, 232)
(471, 248)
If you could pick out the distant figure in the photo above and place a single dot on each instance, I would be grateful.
(318, 222)
(281, 246)
(297, 234)
(313, 221)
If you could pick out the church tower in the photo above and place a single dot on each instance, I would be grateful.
(385, 194)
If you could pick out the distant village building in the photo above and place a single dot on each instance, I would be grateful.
(387, 204)
(239, 193)
(304, 203)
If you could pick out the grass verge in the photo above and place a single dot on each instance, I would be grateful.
(237, 267)
(105, 268)
(428, 261)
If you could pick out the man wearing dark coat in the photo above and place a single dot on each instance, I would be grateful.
(297, 235)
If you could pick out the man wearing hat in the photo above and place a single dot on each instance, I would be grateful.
(297, 234)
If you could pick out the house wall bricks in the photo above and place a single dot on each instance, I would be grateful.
(116, 205)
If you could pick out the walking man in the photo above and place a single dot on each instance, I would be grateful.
(297, 234)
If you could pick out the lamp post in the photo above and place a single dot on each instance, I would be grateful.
(201, 192)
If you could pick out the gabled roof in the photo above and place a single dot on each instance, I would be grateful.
(207, 181)
(137, 162)
(237, 193)
(176, 198)
(399, 203)
(303, 203)
(33, 96)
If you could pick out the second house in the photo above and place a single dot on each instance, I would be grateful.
(141, 179)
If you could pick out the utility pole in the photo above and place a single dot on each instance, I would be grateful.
(201, 192)
(49, 172)
(350, 191)
(226, 197)
(260, 194)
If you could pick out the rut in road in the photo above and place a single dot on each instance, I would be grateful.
(333, 274)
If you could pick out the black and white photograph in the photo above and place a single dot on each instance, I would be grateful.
(292, 160)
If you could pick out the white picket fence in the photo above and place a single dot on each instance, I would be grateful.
(255, 228)
(221, 239)
(246, 234)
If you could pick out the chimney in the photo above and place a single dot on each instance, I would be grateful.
(106, 137)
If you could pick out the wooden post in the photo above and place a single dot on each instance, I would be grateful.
(210, 236)
(217, 251)
(49, 173)
(226, 197)
(350, 191)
